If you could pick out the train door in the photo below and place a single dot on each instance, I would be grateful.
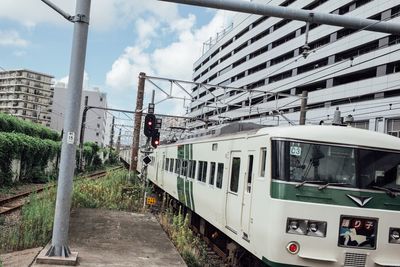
(233, 200)
(247, 189)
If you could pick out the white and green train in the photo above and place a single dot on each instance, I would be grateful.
(292, 196)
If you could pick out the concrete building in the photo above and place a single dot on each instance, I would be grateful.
(264, 58)
(96, 119)
(26, 94)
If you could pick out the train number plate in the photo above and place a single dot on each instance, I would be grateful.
(358, 232)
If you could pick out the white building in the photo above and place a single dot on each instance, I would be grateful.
(96, 119)
(26, 94)
(353, 70)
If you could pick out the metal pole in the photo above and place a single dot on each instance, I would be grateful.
(112, 133)
(303, 107)
(82, 133)
(296, 14)
(59, 244)
(138, 121)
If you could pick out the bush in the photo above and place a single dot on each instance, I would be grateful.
(9, 123)
(33, 152)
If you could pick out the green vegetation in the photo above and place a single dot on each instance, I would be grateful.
(35, 225)
(33, 144)
(191, 248)
(9, 123)
(34, 153)
(112, 192)
(115, 192)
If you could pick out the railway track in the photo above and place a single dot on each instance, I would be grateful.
(13, 203)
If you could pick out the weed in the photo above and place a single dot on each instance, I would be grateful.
(112, 192)
(2, 220)
(35, 225)
(191, 248)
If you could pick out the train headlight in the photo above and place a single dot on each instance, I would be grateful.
(316, 228)
(306, 227)
(296, 226)
(313, 227)
(394, 235)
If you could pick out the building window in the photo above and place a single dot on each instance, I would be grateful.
(393, 127)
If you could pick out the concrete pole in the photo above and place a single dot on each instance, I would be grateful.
(59, 244)
(296, 14)
(138, 122)
(303, 107)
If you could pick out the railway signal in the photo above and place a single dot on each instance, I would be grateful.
(149, 125)
(155, 139)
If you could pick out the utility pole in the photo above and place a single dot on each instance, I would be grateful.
(296, 14)
(138, 121)
(112, 133)
(303, 107)
(82, 133)
(59, 244)
(119, 141)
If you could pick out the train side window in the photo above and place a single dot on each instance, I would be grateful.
(235, 174)
(249, 173)
(171, 165)
(192, 169)
(212, 173)
(263, 161)
(167, 164)
(184, 168)
(177, 166)
(220, 175)
(202, 171)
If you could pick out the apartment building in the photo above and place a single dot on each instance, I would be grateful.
(96, 119)
(26, 94)
(259, 68)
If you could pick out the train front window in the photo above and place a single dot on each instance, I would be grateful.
(335, 165)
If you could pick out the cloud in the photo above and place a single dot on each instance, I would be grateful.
(105, 14)
(172, 60)
(12, 38)
(63, 82)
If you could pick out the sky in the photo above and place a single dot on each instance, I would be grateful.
(126, 37)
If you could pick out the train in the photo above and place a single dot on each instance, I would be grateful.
(310, 195)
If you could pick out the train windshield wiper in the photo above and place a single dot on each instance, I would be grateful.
(332, 184)
(390, 191)
(309, 182)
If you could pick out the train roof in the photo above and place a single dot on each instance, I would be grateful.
(318, 133)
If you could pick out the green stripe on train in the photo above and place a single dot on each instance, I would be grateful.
(184, 186)
(332, 196)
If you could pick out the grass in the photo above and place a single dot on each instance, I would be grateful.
(113, 192)
(191, 248)
(35, 225)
